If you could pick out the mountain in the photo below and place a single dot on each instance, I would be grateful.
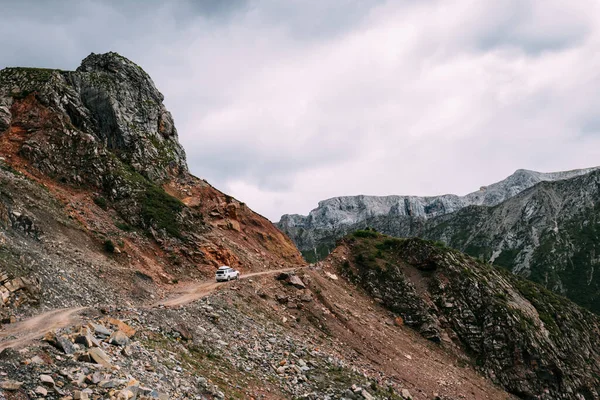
(548, 233)
(316, 234)
(532, 342)
(108, 250)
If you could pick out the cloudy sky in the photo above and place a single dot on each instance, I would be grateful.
(285, 103)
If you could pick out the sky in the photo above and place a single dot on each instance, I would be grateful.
(285, 103)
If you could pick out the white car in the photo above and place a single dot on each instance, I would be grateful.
(225, 273)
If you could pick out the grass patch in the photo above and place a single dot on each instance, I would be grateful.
(365, 233)
(161, 210)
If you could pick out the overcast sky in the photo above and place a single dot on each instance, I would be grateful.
(282, 103)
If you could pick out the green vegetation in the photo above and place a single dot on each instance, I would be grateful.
(109, 246)
(124, 226)
(101, 202)
(366, 233)
(158, 209)
(32, 77)
(317, 254)
(161, 210)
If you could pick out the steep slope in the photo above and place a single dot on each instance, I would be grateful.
(534, 343)
(315, 234)
(549, 233)
(96, 201)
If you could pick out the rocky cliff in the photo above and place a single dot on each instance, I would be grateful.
(531, 341)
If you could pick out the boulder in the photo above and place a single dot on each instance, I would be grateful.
(47, 380)
(118, 338)
(61, 342)
(10, 385)
(100, 357)
(122, 326)
(42, 391)
(283, 276)
(100, 330)
(296, 282)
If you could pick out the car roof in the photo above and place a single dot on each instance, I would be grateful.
(224, 267)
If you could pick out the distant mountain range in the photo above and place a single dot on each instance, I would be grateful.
(543, 226)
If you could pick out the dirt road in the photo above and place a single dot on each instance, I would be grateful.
(198, 291)
(20, 333)
(15, 335)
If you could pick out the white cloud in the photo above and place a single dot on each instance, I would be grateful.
(283, 106)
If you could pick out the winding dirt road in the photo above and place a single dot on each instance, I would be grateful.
(20, 333)
(198, 291)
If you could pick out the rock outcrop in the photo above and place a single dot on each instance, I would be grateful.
(529, 340)
(109, 102)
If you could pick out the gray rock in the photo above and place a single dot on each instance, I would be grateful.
(64, 343)
(118, 338)
(47, 380)
(100, 330)
(10, 385)
(297, 282)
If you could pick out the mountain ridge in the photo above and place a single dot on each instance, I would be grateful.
(315, 234)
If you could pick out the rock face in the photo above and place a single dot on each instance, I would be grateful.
(126, 109)
(315, 234)
(515, 332)
(109, 100)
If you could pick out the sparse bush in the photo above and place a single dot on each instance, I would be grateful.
(109, 246)
(124, 226)
(101, 202)
(366, 233)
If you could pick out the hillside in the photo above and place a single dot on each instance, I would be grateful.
(401, 216)
(95, 183)
(534, 343)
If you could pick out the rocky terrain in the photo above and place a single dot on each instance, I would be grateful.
(402, 216)
(531, 341)
(108, 248)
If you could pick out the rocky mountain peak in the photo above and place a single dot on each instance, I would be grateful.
(120, 69)
(110, 100)
(126, 108)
